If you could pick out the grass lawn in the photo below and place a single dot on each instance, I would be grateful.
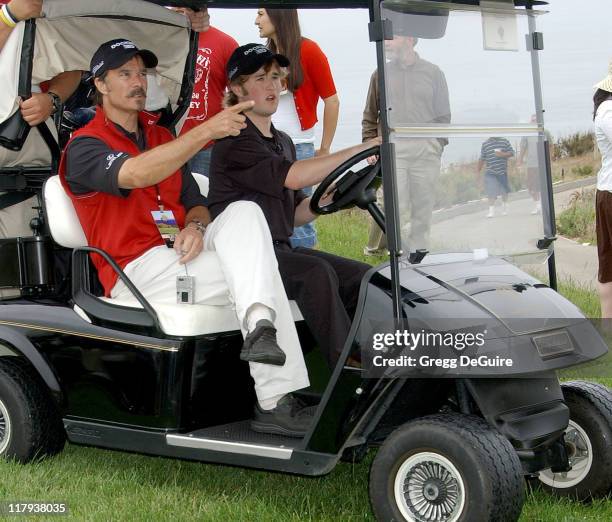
(105, 485)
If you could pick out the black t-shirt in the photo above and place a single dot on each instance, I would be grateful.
(252, 167)
(92, 166)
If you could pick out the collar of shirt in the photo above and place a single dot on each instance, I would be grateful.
(138, 138)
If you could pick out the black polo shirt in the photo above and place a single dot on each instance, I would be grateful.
(252, 167)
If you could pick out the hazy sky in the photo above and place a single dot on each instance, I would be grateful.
(578, 46)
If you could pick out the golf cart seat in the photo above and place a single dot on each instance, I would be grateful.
(173, 319)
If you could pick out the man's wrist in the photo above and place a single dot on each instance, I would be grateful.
(56, 102)
(197, 225)
(7, 17)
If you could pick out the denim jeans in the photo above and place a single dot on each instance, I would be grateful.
(200, 163)
(306, 235)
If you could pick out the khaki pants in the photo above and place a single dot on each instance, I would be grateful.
(417, 163)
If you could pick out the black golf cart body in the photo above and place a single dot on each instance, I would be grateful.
(147, 379)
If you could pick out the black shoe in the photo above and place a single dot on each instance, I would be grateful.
(260, 345)
(290, 418)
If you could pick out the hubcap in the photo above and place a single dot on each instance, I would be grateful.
(429, 488)
(580, 453)
(5, 428)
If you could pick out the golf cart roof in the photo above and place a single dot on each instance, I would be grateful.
(306, 3)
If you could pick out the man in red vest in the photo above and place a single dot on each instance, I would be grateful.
(124, 172)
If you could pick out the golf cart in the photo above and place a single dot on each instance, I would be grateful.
(167, 380)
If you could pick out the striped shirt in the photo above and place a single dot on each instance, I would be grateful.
(495, 165)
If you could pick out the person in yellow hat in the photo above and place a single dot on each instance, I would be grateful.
(602, 122)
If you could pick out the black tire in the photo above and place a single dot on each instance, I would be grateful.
(590, 431)
(30, 423)
(486, 483)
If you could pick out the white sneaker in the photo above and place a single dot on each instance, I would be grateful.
(491, 213)
(504, 210)
(537, 209)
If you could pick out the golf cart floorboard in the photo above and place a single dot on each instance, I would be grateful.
(241, 432)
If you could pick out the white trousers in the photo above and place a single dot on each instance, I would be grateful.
(238, 267)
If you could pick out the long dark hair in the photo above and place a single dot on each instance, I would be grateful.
(599, 97)
(288, 42)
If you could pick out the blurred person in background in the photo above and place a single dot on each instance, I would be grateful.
(602, 122)
(495, 153)
(309, 80)
(214, 49)
(418, 91)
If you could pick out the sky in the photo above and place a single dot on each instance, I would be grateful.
(577, 49)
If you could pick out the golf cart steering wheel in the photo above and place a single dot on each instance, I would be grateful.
(353, 188)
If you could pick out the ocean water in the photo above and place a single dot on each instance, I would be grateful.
(484, 85)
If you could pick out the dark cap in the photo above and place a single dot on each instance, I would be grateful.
(249, 58)
(115, 53)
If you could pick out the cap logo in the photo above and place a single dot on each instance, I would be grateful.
(96, 67)
(126, 44)
(259, 50)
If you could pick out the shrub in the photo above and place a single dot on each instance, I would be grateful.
(574, 145)
(583, 171)
(578, 219)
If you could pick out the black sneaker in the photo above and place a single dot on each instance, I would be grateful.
(290, 418)
(260, 345)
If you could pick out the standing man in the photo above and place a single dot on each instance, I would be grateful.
(122, 171)
(529, 155)
(259, 165)
(495, 153)
(214, 49)
(418, 95)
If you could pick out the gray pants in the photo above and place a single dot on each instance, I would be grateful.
(417, 163)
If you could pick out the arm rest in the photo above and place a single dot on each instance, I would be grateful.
(81, 293)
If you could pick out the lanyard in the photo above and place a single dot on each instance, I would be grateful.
(160, 204)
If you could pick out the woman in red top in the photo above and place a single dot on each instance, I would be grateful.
(309, 80)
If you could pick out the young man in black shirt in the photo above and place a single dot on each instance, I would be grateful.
(260, 166)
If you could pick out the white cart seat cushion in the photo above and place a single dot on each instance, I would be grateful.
(180, 320)
(186, 320)
(63, 221)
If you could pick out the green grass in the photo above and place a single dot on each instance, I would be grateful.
(101, 485)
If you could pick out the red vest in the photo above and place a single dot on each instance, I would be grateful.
(124, 227)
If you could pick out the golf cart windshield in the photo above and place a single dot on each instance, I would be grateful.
(469, 153)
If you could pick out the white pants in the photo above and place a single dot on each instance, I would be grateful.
(237, 266)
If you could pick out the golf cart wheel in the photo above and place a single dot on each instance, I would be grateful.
(446, 468)
(588, 440)
(30, 424)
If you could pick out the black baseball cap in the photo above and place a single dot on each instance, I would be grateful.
(249, 58)
(115, 53)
